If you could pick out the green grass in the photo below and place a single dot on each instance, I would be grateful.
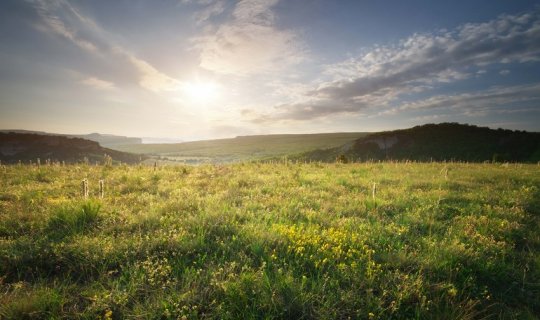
(244, 147)
(273, 241)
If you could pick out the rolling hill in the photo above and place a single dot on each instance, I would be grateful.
(244, 147)
(438, 142)
(28, 147)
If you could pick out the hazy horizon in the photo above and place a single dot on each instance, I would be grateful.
(172, 140)
(210, 69)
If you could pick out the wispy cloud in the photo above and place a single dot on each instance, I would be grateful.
(382, 74)
(61, 18)
(485, 100)
(212, 8)
(98, 83)
(152, 79)
(51, 14)
(249, 43)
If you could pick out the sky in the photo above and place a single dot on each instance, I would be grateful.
(199, 69)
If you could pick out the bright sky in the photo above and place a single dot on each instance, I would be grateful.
(194, 69)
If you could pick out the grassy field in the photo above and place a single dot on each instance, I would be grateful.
(273, 241)
(245, 147)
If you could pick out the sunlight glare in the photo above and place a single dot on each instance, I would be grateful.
(201, 92)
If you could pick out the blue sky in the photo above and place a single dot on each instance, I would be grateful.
(194, 69)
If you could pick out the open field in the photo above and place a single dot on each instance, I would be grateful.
(284, 241)
(245, 147)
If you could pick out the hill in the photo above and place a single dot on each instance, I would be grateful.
(109, 140)
(26, 147)
(244, 147)
(105, 140)
(439, 142)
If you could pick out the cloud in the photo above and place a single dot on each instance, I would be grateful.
(61, 18)
(485, 100)
(420, 58)
(151, 79)
(51, 14)
(494, 100)
(384, 73)
(250, 43)
(504, 72)
(319, 108)
(98, 83)
(212, 9)
(200, 2)
(313, 107)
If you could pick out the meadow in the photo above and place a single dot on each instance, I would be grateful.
(271, 241)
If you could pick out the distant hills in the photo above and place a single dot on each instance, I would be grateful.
(105, 140)
(109, 140)
(431, 142)
(438, 142)
(29, 146)
(240, 148)
(244, 147)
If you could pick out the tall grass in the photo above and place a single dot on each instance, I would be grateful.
(444, 241)
(71, 219)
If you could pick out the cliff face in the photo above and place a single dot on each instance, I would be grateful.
(26, 147)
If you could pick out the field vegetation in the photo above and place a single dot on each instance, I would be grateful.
(274, 241)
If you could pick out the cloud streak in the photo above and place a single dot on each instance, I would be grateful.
(485, 100)
(61, 18)
(379, 77)
(152, 79)
(98, 83)
(52, 18)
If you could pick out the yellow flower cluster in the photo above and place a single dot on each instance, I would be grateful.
(157, 271)
(329, 248)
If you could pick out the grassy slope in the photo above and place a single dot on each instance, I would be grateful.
(248, 147)
(452, 241)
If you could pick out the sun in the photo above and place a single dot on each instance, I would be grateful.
(201, 92)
